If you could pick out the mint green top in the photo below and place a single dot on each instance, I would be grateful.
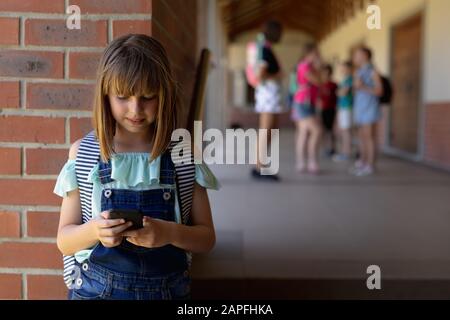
(131, 171)
(345, 102)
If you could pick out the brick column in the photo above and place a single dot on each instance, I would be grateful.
(174, 23)
(46, 84)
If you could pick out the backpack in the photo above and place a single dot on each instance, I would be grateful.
(386, 98)
(254, 58)
(293, 87)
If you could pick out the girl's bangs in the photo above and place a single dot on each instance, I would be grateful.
(131, 75)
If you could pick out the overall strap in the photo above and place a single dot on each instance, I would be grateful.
(104, 172)
(167, 169)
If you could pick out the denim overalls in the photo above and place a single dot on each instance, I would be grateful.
(129, 271)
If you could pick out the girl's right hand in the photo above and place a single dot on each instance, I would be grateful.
(109, 231)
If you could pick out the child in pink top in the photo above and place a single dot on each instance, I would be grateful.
(304, 111)
(307, 92)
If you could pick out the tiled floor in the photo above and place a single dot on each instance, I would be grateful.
(332, 226)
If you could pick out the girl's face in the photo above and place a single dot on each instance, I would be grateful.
(135, 114)
(359, 58)
(345, 70)
(314, 57)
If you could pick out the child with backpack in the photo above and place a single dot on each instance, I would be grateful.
(266, 78)
(368, 88)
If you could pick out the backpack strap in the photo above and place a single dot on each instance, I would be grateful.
(88, 156)
(185, 180)
(184, 176)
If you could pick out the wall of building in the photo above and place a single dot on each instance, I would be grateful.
(46, 85)
(174, 23)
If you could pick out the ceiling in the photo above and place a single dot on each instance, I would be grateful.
(315, 17)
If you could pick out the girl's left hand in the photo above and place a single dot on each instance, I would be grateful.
(154, 234)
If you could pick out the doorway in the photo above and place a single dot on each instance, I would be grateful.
(407, 84)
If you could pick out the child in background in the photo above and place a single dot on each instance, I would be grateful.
(268, 97)
(328, 101)
(345, 97)
(304, 111)
(368, 89)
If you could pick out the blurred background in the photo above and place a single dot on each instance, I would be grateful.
(301, 238)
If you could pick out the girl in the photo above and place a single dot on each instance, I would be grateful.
(268, 94)
(345, 112)
(368, 89)
(328, 100)
(304, 111)
(126, 164)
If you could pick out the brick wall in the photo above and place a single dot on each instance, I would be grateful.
(46, 85)
(437, 134)
(173, 24)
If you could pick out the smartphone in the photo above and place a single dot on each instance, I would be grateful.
(135, 216)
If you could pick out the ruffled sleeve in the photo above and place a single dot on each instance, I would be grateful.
(205, 177)
(67, 179)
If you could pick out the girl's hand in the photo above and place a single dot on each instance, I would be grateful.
(154, 234)
(109, 231)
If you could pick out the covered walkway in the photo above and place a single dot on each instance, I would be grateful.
(314, 237)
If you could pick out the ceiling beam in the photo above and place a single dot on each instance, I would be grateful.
(316, 17)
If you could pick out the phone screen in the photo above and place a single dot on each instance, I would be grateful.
(135, 216)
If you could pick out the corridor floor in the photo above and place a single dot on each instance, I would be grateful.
(332, 226)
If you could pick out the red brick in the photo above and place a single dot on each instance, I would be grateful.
(31, 129)
(30, 255)
(113, 6)
(28, 192)
(122, 27)
(10, 31)
(79, 127)
(41, 64)
(10, 286)
(59, 96)
(9, 224)
(46, 287)
(42, 224)
(83, 65)
(10, 93)
(10, 161)
(44, 6)
(52, 32)
(45, 161)
(437, 133)
(173, 14)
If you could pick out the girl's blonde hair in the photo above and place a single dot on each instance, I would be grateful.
(135, 65)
